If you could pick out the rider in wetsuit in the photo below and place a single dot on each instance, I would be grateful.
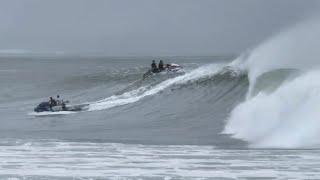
(161, 66)
(52, 103)
(58, 100)
(154, 68)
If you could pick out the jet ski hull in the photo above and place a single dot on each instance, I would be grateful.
(45, 107)
(172, 69)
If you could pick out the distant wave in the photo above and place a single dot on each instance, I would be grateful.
(14, 51)
(19, 52)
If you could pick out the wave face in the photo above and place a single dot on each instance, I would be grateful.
(123, 107)
(281, 106)
(152, 89)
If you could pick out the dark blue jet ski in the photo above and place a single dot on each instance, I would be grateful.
(45, 107)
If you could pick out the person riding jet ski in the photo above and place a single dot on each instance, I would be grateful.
(161, 66)
(154, 68)
(52, 102)
(53, 106)
(166, 68)
(58, 100)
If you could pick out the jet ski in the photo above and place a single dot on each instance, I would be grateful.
(169, 69)
(45, 107)
(176, 68)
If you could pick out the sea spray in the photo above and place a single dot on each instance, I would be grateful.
(286, 117)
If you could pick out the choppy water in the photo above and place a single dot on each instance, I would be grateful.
(48, 159)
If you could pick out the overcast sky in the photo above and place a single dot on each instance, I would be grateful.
(145, 27)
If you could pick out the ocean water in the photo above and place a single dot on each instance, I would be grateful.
(254, 116)
(163, 127)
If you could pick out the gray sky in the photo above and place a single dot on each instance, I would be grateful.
(145, 27)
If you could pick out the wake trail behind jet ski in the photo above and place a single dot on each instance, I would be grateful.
(49, 113)
(51, 107)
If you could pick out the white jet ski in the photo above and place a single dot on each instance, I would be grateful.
(169, 69)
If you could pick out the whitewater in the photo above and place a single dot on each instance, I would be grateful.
(281, 106)
(228, 117)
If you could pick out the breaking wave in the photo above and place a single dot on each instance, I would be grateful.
(281, 108)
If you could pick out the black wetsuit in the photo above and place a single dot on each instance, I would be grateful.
(154, 68)
(161, 66)
(64, 108)
(52, 103)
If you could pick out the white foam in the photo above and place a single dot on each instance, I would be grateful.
(285, 118)
(50, 113)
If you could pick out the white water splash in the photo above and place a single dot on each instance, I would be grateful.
(288, 117)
